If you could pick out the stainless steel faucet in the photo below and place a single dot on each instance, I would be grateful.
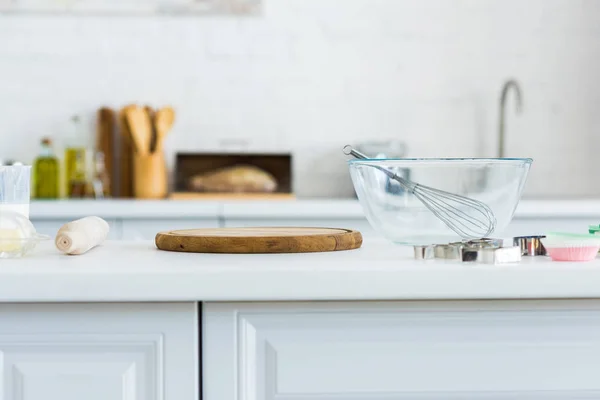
(501, 127)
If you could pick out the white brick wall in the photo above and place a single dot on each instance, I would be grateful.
(312, 75)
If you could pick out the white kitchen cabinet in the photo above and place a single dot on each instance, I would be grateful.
(470, 350)
(99, 351)
(51, 226)
(146, 229)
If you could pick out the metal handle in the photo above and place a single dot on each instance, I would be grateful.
(349, 151)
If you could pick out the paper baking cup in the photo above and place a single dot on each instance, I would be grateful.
(571, 250)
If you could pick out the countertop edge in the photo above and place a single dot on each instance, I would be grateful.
(320, 283)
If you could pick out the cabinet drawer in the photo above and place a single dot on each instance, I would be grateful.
(98, 351)
(402, 350)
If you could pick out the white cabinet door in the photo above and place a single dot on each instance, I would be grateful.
(520, 350)
(98, 352)
(146, 229)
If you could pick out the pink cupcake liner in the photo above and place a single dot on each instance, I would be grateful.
(573, 253)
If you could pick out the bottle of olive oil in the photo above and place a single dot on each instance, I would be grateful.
(75, 152)
(45, 173)
(77, 186)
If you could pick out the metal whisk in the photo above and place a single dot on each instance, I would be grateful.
(468, 218)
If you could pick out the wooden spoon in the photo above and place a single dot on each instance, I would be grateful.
(124, 125)
(140, 128)
(163, 121)
(152, 114)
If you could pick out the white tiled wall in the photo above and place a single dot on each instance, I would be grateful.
(312, 75)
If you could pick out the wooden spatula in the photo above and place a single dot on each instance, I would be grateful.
(140, 128)
(163, 121)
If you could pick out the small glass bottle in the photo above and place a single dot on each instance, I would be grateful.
(46, 173)
(77, 184)
(101, 181)
(75, 163)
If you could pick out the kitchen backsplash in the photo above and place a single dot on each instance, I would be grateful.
(309, 76)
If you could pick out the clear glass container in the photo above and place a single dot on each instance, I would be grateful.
(15, 188)
(404, 219)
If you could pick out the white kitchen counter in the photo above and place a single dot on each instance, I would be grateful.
(137, 271)
(327, 208)
(147, 337)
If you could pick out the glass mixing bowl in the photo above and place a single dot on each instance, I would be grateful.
(400, 216)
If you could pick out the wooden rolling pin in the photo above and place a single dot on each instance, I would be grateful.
(79, 236)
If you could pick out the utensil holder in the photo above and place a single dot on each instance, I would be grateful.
(150, 176)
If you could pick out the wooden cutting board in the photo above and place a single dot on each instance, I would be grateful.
(259, 240)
